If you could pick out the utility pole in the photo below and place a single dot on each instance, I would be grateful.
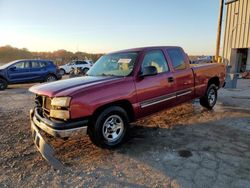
(219, 30)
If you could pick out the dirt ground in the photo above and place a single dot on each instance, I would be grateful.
(186, 146)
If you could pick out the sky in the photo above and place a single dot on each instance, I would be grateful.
(101, 26)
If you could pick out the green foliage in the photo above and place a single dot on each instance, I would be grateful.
(8, 53)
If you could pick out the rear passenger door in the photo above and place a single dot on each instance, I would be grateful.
(38, 70)
(182, 75)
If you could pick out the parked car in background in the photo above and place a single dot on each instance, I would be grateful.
(83, 64)
(27, 71)
(204, 59)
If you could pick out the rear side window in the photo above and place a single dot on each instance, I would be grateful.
(155, 58)
(37, 64)
(43, 64)
(49, 63)
(177, 59)
(81, 63)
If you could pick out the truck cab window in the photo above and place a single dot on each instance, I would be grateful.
(155, 58)
(177, 59)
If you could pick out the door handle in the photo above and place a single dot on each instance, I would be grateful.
(170, 79)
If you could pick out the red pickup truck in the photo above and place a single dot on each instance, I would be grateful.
(120, 88)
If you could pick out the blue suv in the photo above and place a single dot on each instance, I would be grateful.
(27, 71)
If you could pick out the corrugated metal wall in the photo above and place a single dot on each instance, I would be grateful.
(237, 27)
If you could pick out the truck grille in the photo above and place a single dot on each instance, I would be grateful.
(44, 103)
(47, 103)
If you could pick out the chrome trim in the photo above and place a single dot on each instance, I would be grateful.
(185, 93)
(201, 85)
(156, 102)
(60, 133)
(170, 96)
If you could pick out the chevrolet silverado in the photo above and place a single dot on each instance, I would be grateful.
(120, 88)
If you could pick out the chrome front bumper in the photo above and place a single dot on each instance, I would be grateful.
(59, 133)
(45, 149)
(38, 123)
(58, 129)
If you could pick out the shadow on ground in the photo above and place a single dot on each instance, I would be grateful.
(211, 152)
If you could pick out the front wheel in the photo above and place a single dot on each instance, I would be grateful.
(110, 127)
(209, 100)
(3, 84)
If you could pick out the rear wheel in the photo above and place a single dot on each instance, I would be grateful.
(209, 100)
(3, 84)
(62, 72)
(110, 127)
(50, 78)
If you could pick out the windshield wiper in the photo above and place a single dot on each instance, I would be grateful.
(103, 74)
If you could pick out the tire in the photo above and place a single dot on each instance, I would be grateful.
(85, 70)
(110, 127)
(209, 100)
(62, 72)
(3, 84)
(50, 78)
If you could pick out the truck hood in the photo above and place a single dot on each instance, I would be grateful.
(69, 86)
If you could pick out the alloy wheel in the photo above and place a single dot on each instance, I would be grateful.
(113, 128)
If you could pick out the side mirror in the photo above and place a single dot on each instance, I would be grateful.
(13, 68)
(148, 71)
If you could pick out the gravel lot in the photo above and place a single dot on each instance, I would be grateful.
(186, 146)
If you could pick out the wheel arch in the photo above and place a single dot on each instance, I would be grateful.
(125, 104)
(214, 80)
(50, 74)
(4, 79)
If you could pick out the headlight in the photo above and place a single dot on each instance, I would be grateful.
(60, 114)
(60, 101)
(60, 108)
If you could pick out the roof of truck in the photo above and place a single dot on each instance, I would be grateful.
(144, 48)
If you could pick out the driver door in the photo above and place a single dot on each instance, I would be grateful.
(155, 92)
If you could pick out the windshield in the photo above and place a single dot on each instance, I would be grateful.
(119, 64)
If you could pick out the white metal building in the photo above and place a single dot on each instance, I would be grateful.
(236, 50)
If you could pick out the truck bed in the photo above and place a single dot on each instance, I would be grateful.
(206, 71)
